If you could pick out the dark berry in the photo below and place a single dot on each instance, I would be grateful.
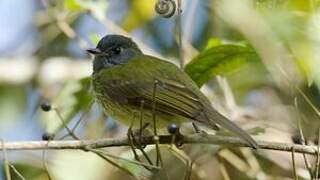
(45, 106)
(296, 139)
(173, 128)
(47, 136)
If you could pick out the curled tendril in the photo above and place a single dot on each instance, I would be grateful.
(165, 8)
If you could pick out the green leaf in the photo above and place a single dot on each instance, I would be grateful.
(139, 13)
(219, 60)
(212, 42)
(72, 5)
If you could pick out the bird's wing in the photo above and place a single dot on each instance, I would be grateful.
(136, 82)
(170, 97)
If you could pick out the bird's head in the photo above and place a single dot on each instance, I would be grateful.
(113, 50)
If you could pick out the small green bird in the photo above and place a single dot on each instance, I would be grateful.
(126, 81)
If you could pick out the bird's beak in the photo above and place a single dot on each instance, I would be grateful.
(94, 51)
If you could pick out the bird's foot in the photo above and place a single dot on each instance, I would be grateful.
(132, 143)
(136, 136)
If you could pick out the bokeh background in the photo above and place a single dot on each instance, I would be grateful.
(257, 60)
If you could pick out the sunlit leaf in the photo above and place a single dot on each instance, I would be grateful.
(219, 60)
(72, 5)
(140, 12)
(213, 42)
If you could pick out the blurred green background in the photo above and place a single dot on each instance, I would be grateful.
(257, 60)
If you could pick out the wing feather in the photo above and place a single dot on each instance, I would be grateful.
(171, 98)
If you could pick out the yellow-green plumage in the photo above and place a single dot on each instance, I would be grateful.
(120, 92)
(124, 84)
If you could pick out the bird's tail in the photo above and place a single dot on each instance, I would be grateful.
(217, 118)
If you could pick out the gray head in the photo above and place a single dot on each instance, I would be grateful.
(113, 50)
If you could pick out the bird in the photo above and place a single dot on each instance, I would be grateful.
(127, 82)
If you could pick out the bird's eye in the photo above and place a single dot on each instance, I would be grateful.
(117, 50)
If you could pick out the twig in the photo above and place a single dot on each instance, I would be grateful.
(98, 153)
(156, 138)
(71, 133)
(305, 97)
(127, 160)
(294, 164)
(5, 161)
(141, 129)
(44, 163)
(70, 33)
(318, 157)
(88, 108)
(303, 142)
(163, 139)
(131, 138)
(179, 29)
(17, 172)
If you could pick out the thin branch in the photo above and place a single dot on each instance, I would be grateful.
(88, 108)
(318, 157)
(126, 160)
(5, 161)
(164, 139)
(98, 153)
(17, 172)
(44, 163)
(70, 132)
(303, 141)
(179, 31)
(294, 164)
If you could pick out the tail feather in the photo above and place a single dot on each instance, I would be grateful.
(217, 118)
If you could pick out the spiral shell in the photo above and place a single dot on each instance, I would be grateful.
(165, 8)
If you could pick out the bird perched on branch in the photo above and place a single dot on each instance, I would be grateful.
(127, 82)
